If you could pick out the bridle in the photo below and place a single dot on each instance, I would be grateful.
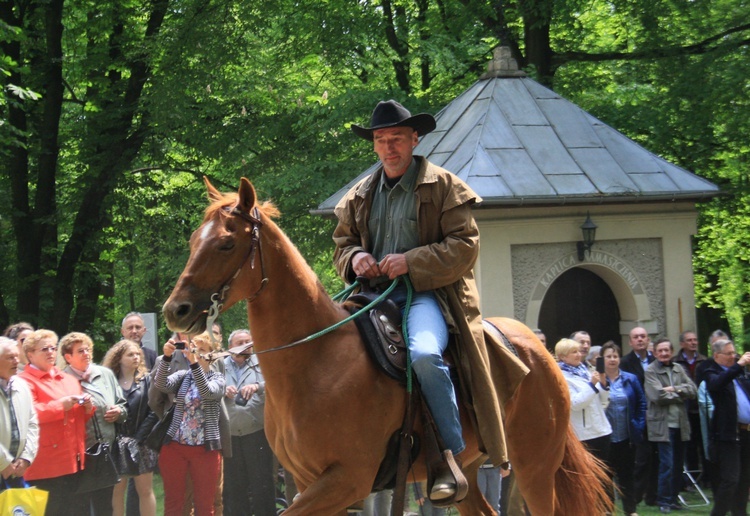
(217, 298)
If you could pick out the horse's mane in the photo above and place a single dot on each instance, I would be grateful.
(268, 208)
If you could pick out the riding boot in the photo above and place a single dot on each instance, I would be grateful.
(450, 484)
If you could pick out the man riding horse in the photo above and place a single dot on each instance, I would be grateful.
(411, 217)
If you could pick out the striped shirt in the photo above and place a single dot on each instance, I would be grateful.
(211, 390)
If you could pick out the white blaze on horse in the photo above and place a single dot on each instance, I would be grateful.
(329, 411)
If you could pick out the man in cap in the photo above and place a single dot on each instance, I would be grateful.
(411, 217)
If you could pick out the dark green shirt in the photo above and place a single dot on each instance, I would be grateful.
(393, 217)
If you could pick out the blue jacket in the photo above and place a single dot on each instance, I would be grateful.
(636, 406)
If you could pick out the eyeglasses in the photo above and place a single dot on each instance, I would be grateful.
(47, 349)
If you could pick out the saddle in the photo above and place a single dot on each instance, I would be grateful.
(381, 332)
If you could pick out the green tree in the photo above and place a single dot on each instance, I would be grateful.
(140, 98)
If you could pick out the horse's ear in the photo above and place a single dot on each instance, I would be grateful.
(246, 195)
(213, 194)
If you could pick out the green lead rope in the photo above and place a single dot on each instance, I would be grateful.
(338, 324)
(404, 331)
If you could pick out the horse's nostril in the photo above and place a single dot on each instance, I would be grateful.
(183, 309)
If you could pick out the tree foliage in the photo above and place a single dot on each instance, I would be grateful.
(113, 111)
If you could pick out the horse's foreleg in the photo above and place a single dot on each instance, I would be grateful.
(329, 495)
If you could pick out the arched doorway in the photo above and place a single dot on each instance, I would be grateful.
(580, 300)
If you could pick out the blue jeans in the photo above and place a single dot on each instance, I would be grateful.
(671, 457)
(428, 338)
(490, 483)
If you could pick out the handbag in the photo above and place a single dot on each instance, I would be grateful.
(127, 456)
(158, 433)
(99, 469)
(22, 500)
(126, 453)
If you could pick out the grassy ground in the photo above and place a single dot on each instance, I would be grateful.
(693, 498)
(697, 504)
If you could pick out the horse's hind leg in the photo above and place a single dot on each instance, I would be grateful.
(474, 504)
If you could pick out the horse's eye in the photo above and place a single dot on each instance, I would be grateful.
(227, 246)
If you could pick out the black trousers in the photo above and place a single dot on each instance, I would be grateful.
(100, 501)
(62, 499)
(733, 468)
(599, 447)
(622, 460)
(249, 483)
(646, 472)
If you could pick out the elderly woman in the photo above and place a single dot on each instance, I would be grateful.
(18, 332)
(19, 428)
(193, 444)
(62, 409)
(127, 361)
(589, 393)
(626, 413)
(75, 353)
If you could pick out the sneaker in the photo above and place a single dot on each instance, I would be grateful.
(665, 509)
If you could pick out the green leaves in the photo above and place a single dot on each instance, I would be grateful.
(156, 94)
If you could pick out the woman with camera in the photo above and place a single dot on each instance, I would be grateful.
(75, 354)
(589, 392)
(128, 363)
(62, 409)
(193, 444)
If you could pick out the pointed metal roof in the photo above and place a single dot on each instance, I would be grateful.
(516, 142)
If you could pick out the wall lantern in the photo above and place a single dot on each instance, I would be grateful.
(588, 229)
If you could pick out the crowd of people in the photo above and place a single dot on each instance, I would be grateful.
(657, 416)
(57, 404)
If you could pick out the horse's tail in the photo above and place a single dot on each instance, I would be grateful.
(582, 481)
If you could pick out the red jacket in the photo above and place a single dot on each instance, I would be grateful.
(62, 435)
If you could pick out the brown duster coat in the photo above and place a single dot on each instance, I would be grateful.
(443, 262)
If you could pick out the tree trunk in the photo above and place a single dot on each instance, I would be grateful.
(393, 34)
(107, 164)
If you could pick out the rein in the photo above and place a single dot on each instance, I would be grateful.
(339, 324)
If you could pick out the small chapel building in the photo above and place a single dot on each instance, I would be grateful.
(545, 168)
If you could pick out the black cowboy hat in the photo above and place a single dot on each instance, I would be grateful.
(389, 113)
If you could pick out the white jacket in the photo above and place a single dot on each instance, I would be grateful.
(587, 408)
(28, 425)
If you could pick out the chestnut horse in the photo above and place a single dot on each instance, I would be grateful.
(329, 412)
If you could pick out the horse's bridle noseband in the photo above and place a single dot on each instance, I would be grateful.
(217, 298)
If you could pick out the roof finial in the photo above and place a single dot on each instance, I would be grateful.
(502, 65)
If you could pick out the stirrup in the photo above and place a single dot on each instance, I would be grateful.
(449, 485)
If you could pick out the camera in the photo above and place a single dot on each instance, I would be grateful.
(179, 344)
(81, 401)
(239, 400)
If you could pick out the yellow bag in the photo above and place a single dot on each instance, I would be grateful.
(29, 501)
